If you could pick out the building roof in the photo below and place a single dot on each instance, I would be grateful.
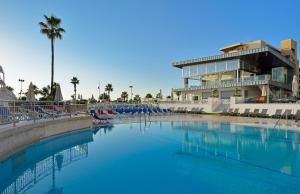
(233, 55)
(230, 47)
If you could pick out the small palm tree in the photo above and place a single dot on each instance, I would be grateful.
(92, 100)
(51, 28)
(10, 88)
(75, 82)
(109, 89)
(124, 96)
(103, 96)
(137, 99)
(149, 96)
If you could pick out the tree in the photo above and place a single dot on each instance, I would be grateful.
(124, 96)
(52, 29)
(137, 99)
(92, 100)
(108, 89)
(103, 96)
(149, 96)
(45, 92)
(10, 88)
(178, 94)
(75, 82)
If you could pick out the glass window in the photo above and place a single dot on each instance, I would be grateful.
(202, 69)
(206, 95)
(186, 71)
(221, 66)
(211, 68)
(226, 94)
(194, 70)
(232, 65)
(279, 74)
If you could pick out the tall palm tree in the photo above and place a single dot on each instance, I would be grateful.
(108, 89)
(51, 28)
(75, 82)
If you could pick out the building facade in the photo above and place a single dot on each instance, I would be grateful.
(244, 69)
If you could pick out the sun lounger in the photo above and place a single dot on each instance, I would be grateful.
(287, 114)
(263, 113)
(227, 112)
(255, 113)
(235, 112)
(296, 116)
(277, 113)
(246, 112)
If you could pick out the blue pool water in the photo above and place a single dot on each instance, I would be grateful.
(159, 157)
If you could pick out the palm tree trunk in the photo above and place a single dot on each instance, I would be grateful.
(75, 91)
(52, 66)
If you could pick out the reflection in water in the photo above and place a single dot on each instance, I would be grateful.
(270, 149)
(23, 170)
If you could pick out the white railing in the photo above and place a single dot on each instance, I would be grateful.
(13, 112)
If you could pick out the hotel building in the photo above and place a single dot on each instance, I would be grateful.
(243, 69)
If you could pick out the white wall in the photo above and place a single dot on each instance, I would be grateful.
(212, 105)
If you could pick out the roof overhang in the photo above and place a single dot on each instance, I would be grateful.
(235, 55)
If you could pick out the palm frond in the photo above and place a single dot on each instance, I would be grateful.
(58, 35)
(60, 30)
(43, 25)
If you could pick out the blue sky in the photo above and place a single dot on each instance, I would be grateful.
(132, 42)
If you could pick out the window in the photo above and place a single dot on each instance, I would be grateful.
(210, 68)
(205, 95)
(232, 65)
(226, 94)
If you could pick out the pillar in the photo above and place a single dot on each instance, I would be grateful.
(186, 82)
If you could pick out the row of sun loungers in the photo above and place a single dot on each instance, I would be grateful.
(279, 113)
(195, 110)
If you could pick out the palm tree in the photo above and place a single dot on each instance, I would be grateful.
(51, 28)
(149, 96)
(124, 96)
(10, 88)
(75, 82)
(92, 100)
(103, 96)
(45, 91)
(137, 99)
(108, 89)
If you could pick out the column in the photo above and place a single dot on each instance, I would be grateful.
(186, 83)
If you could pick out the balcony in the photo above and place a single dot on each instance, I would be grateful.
(243, 81)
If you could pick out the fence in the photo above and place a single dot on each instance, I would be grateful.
(17, 111)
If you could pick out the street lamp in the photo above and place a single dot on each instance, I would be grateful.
(99, 90)
(131, 93)
(21, 81)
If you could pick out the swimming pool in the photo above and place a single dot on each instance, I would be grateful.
(158, 157)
